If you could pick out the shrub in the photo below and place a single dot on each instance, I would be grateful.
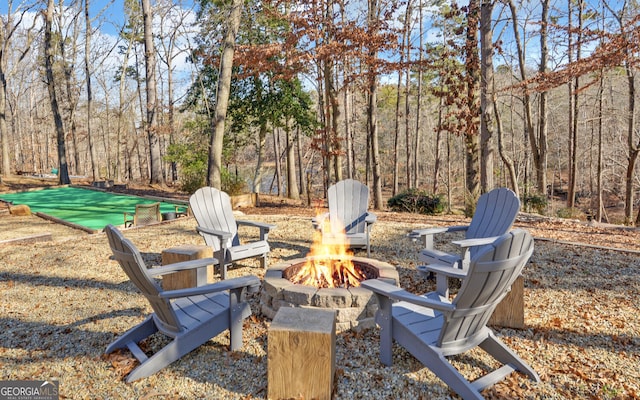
(192, 165)
(232, 184)
(416, 201)
(535, 202)
(192, 170)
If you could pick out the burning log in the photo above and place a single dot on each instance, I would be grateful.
(329, 266)
(329, 273)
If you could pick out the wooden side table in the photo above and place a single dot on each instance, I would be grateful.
(301, 354)
(191, 278)
(510, 311)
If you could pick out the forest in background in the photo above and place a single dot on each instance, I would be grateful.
(414, 94)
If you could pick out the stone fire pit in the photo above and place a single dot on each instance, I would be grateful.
(355, 307)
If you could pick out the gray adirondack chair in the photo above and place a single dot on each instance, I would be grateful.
(432, 328)
(495, 213)
(348, 204)
(219, 228)
(189, 316)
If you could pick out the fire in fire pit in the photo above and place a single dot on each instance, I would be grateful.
(329, 266)
(324, 271)
(328, 273)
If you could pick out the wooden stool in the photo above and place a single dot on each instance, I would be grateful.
(510, 311)
(301, 354)
(191, 278)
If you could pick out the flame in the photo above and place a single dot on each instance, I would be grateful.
(329, 265)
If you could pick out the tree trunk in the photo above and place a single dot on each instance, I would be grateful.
(257, 177)
(632, 146)
(438, 158)
(508, 162)
(63, 168)
(121, 123)
(222, 97)
(277, 175)
(407, 112)
(87, 49)
(539, 144)
(396, 127)
(405, 51)
(599, 183)
(472, 139)
(486, 97)
(155, 157)
(301, 174)
(4, 132)
(292, 183)
(526, 98)
(416, 158)
(372, 115)
(574, 107)
(68, 67)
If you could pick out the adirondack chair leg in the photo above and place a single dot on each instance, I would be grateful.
(264, 234)
(168, 354)
(442, 285)
(384, 320)
(134, 335)
(237, 312)
(428, 242)
(220, 255)
(449, 375)
(505, 355)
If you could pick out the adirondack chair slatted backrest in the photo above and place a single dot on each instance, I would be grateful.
(491, 274)
(212, 209)
(130, 259)
(348, 204)
(495, 213)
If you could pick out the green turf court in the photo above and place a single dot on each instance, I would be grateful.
(89, 208)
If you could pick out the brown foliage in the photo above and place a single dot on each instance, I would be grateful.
(615, 50)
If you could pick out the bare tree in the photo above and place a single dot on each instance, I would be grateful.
(214, 175)
(472, 139)
(10, 24)
(174, 19)
(416, 157)
(151, 91)
(63, 168)
(574, 98)
(87, 70)
(539, 142)
(372, 107)
(487, 147)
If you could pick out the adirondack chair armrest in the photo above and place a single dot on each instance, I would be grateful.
(264, 227)
(428, 233)
(182, 266)
(249, 282)
(443, 269)
(418, 233)
(370, 218)
(318, 221)
(474, 242)
(222, 235)
(393, 292)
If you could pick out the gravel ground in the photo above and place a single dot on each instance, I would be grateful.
(63, 301)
